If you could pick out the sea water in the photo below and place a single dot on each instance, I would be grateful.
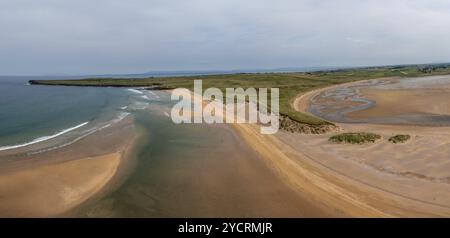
(32, 114)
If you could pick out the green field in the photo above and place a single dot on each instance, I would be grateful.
(290, 84)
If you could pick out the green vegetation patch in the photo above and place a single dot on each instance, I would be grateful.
(291, 85)
(355, 138)
(399, 138)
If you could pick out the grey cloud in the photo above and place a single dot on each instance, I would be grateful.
(111, 36)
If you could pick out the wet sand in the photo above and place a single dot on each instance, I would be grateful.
(234, 171)
(170, 171)
(199, 171)
(53, 189)
(416, 101)
(410, 179)
(407, 106)
(51, 183)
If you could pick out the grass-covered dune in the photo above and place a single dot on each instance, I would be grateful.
(290, 84)
(355, 138)
(399, 138)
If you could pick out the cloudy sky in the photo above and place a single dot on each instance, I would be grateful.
(116, 36)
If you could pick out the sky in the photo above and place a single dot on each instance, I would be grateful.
(136, 36)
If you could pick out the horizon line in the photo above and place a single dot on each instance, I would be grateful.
(199, 72)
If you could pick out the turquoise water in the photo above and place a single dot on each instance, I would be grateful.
(32, 113)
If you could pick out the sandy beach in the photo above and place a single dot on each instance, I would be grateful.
(51, 183)
(216, 175)
(199, 171)
(335, 181)
(235, 171)
(380, 179)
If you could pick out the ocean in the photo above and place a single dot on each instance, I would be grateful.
(173, 170)
(30, 114)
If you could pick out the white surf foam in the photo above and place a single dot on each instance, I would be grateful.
(134, 91)
(154, 94)
(86, 133)
(41, 139)
(145, 97)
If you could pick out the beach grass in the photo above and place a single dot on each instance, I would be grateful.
(355, 138)
(291, 85)
(399, 138)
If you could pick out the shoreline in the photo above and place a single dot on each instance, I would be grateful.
(42, 138)
(331, 190)
(327, 185)
(305, 179)
(302, 101)
(375, 102)
(52, 183)
(418, 196)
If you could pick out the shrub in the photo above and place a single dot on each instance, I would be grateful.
(399, 138)
(355, 138)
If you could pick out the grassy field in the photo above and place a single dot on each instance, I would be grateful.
(290, 84)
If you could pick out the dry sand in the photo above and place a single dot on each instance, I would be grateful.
(302, 175)
(322, 193)
(360, 180)
(380, 179)
(228, 180)
(53, 189)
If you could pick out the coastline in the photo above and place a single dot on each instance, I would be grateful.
(328, 188)
(42, 139)
(302, 101)
(303, 177)
(403, 194)
(52, 183)
(335, 187)
(309, 181)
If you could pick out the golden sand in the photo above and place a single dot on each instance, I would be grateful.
(53, 189)
(305, 171)
(51, 183)
(405, 101)
(399, 180)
